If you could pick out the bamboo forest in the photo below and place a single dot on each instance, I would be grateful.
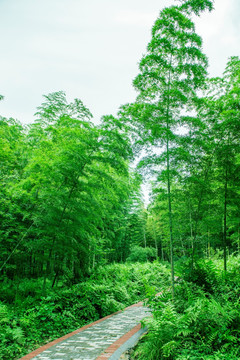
(78, 242)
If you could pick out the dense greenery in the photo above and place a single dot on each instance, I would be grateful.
(205, 186)
(202, 323)
(67, 195)
(71, 208)
(28, 319)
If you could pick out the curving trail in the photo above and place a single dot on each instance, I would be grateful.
(105, 339)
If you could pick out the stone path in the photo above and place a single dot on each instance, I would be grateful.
(106, 338)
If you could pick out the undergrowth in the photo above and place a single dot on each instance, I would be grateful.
(204, 320)
(28, 319)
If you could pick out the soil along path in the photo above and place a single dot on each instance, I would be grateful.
(105, 339)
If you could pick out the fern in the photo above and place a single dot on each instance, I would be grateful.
(4, 314)
(170, 348)
(17, 335)
(196, 321)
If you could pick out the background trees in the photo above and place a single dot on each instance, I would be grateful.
(68, 193)
(223, 120)
(205, 185)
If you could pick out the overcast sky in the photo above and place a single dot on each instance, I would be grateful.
(90, 49)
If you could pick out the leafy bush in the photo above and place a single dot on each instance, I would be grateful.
(198, 325)
(203, 273)
(140, 254)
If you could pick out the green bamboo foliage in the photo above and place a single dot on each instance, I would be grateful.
(68, 195)
(222, 117)
(171, 72)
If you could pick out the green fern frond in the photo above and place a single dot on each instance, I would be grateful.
(4, 314)
(212, 337)
(18, 335)
(169, 348)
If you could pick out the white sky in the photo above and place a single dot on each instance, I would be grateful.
(90, 49)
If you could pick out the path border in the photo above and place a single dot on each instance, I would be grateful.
(124, 343)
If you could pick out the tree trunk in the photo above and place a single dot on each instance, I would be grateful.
(55, 278)
(155, 239)
(238, 242)
(169, 187)
(170, 221)
(225, 220)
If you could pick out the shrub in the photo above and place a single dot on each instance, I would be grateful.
(140, 254)
(203, 322)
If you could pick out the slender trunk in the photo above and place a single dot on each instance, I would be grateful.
(170, 222)
(225, 220)
(162, 248)
(67, 202)
(31, 265)
(17, 292)
(155, 239)
(238, 241)
(55, 278)
(144, 238)
(169, 188)
(183, 250)
(48, 268)
(191, 226)
(208, 245)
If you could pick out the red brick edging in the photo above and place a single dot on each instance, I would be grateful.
(47, 346)
(118, 343)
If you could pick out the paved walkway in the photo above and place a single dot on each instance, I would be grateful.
(104, 339)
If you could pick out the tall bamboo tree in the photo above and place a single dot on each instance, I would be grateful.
(171, 72)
